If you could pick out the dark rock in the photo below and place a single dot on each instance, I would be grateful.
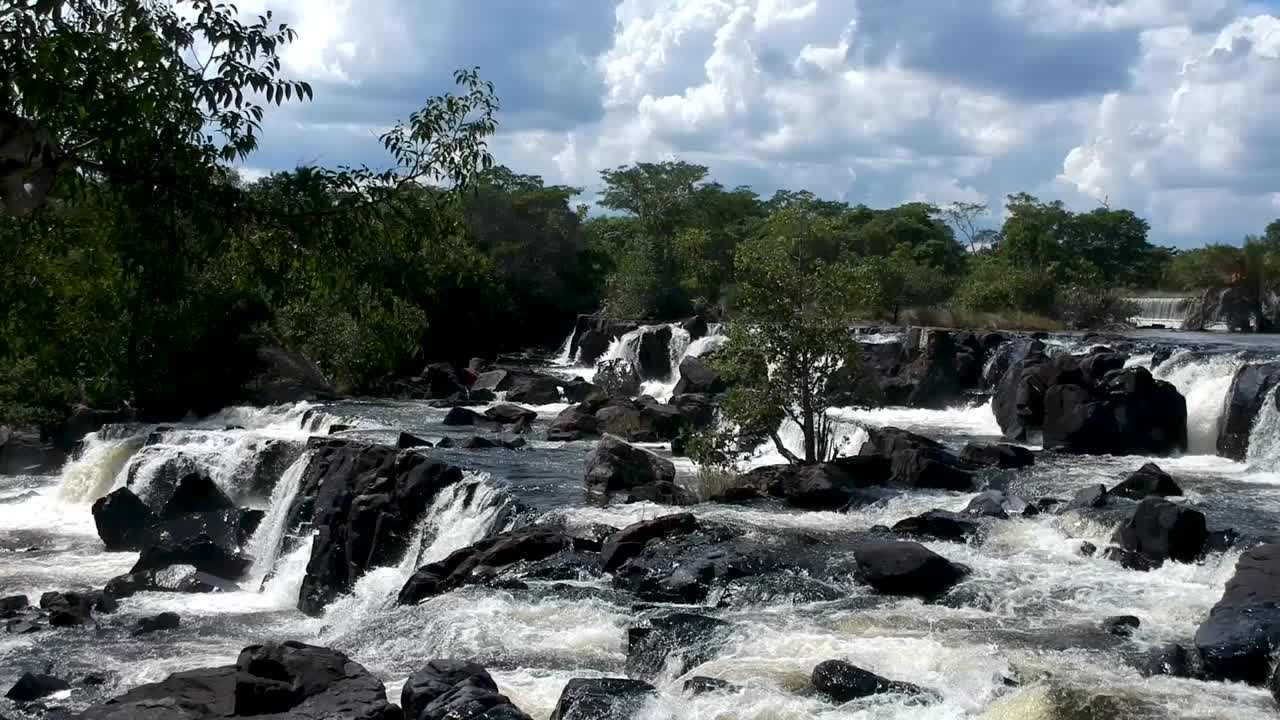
(1003, 456)
(363, 502)
(406, 441)
(124, 521)
(443, 381)
(603, 699)
(1129, 560)
(930, 468)
(842, 682)
(906, 568)
(696, 326)
(23, 452)
(618, 378)
(696, 376)
(1088, 549)
(508, 414)
(940, 525)
(22, 627)
(1250, 388)
(1161, 530)
(937, 383)
(1147, 481)
(653, 353)
(698, 411)
(637, 421)
(1097, 365)
(455, 690)
(701, 685)
(1122, 625)
(573, 423)
(155, 623)
(1074, 421)
(338, 428)
(1243, 628)
(484, 559)
(534, 389)
(1221, 541)
(615, 466)
(825, 486)
(196, 493)
(1005, 355)
(776, 588)
(681, 640)
(476, 442)
(888, 441)
(578, 390)
(93, 680)
(492, 381)
(71, 608)
(174, 579)
(592, 335)
(1090, 496)
(662, 492)
(463, 417)
(200, 552)
(999, 505)
(687, 568)
(627, 543)
(31, 687)
(13, 603)
(1173, 660)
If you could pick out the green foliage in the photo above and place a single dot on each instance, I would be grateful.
(995, 284)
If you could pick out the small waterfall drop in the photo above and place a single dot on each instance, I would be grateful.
(92, 474)
(1204, 381)
(1170, 312)
(562, 355)
(1264, 439)
(268, 542)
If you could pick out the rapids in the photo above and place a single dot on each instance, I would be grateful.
(1026, 634)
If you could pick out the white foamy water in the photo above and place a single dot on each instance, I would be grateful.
(1204, 382)
(562, 355)
(94, 472)
(1264, 439)
(265, 545)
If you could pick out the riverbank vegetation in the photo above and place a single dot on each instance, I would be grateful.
(138, 267)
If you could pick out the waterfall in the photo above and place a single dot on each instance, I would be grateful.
(1264, 439)
(94, 472)
(268, 542)
(562, 355)
(1204, 380)
(681, 346)
(1167, 311)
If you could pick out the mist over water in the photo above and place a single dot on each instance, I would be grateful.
(1025, 636)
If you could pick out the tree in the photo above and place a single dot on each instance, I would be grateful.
(964, 217)
(789, 338)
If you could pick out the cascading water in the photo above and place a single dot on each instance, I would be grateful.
(1204, 380)
(1167, 311)
(94, 472)
(267, 543)
(627, 347)
(1264, 439)
(562, 355)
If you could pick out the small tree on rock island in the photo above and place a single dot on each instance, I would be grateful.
(789, 353)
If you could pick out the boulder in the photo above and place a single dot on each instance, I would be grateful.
(618, 378)
(1088, 497)
(455, 690)
(31, 687)
(1000, 505)
(696, 326)
(508, 414)
(406, 441)
(906, 568)
(640, 421)
(842, 682)
(1147, 481)
(1074, 421)
(1003, 456)
(200, 552)
(285, 376)
(485, 560)
(1129, 560)
(578, 390)
(628, 542)
(170, 579)
(23, 452)
(156, 623)
(1237, 639)
(940, 525)
(1250, 388)
(442, 381)
(69, 609)
(124, 522)
(463, 417)
(534, 389)
(13, 604)
(491, 381)
(362, 502)
(887, 441)
(930, 468)
(603, 699)
(592, 335)
(696, 376)
(825, 486)
(1004, 355)
(1160, 530)
(195, 493)
(933, 373)
(615, 466)
(686, 568)
(573, 423)
(653, 353)
(662, 492)
(1121, 625)
(276, 681)
(697, 411)
(681, 641)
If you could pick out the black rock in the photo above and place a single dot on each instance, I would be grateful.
(155, 623)
(1088, 497)
(999, 505)
(1147, 481)
(698, 377)
(22, 627)
(662, 492)
(534, 389)
(681, 640)
(1249, 390)
(615, 466)
(1161, 530)
(603, 699)
(701, 685)
(406, 441)
(13, 603)
(455, 690)
(906, 568)
(578, 390)
(1173, 660)
(940, 525)
(463, 417)
(508, 414)
(485, 561)
(628, 542)
(124, 521)
(31, 687)
(195, 493)
(617, 378)
(1129, 560)
(1237, 639)
(200, 552)
(929, 468)
(843, 682)
(1122, 625)
(175, 579)
(1003, 455)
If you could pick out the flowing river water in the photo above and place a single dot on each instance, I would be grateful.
(1023, 642)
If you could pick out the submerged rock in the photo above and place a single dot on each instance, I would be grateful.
(1147, 481)
(603, 699)
(486, 560)
(680, 640)
(843, 682)
(1160, 530)
(31, 687)
(1003, 455)
(455, 690)
(156, 623)
(906, 568)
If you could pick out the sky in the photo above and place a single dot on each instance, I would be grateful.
(1166, 107)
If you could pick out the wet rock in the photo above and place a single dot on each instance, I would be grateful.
(123, 520)
(701, 685)
(455, 690)
(1003, 455)
(508, 414)
(93, 680)
(534, 389)
(485, 560)
(603, 699)
(22, 627)
(929, 468)
(406, 441)
(1237, 639)
(934, 373)
(1173, 660)
(1006, 354)
(1090, 496)
(31, 687)
(615, 466)
(618, 378)
(12, 604)
(775, 588)
(999, 505)
(1161, 530)
(940, 525)
(842, 682)
(592, 335)
(824, 486)
(662, 492)
(696, 376)
(1250, 388)
(1221, 541)
(698, 411)
(68, 609)
(687, 568)
(573, 423)
(640, 421)
(364, 502)
(578, 390)
(1087, 549)
(680, 640)
(906, 568)
(229, 529)
(200, 552)
(1129, 560)
(1147, 481)
(630, 541)
(195, 493)
(463, 417)
(653, 353)
(156, 623)
(888, 441)
(173, 578)
(1121, 625)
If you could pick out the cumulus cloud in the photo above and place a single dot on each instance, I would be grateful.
(1158, 105)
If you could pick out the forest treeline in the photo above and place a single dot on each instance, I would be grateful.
(138, 268)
